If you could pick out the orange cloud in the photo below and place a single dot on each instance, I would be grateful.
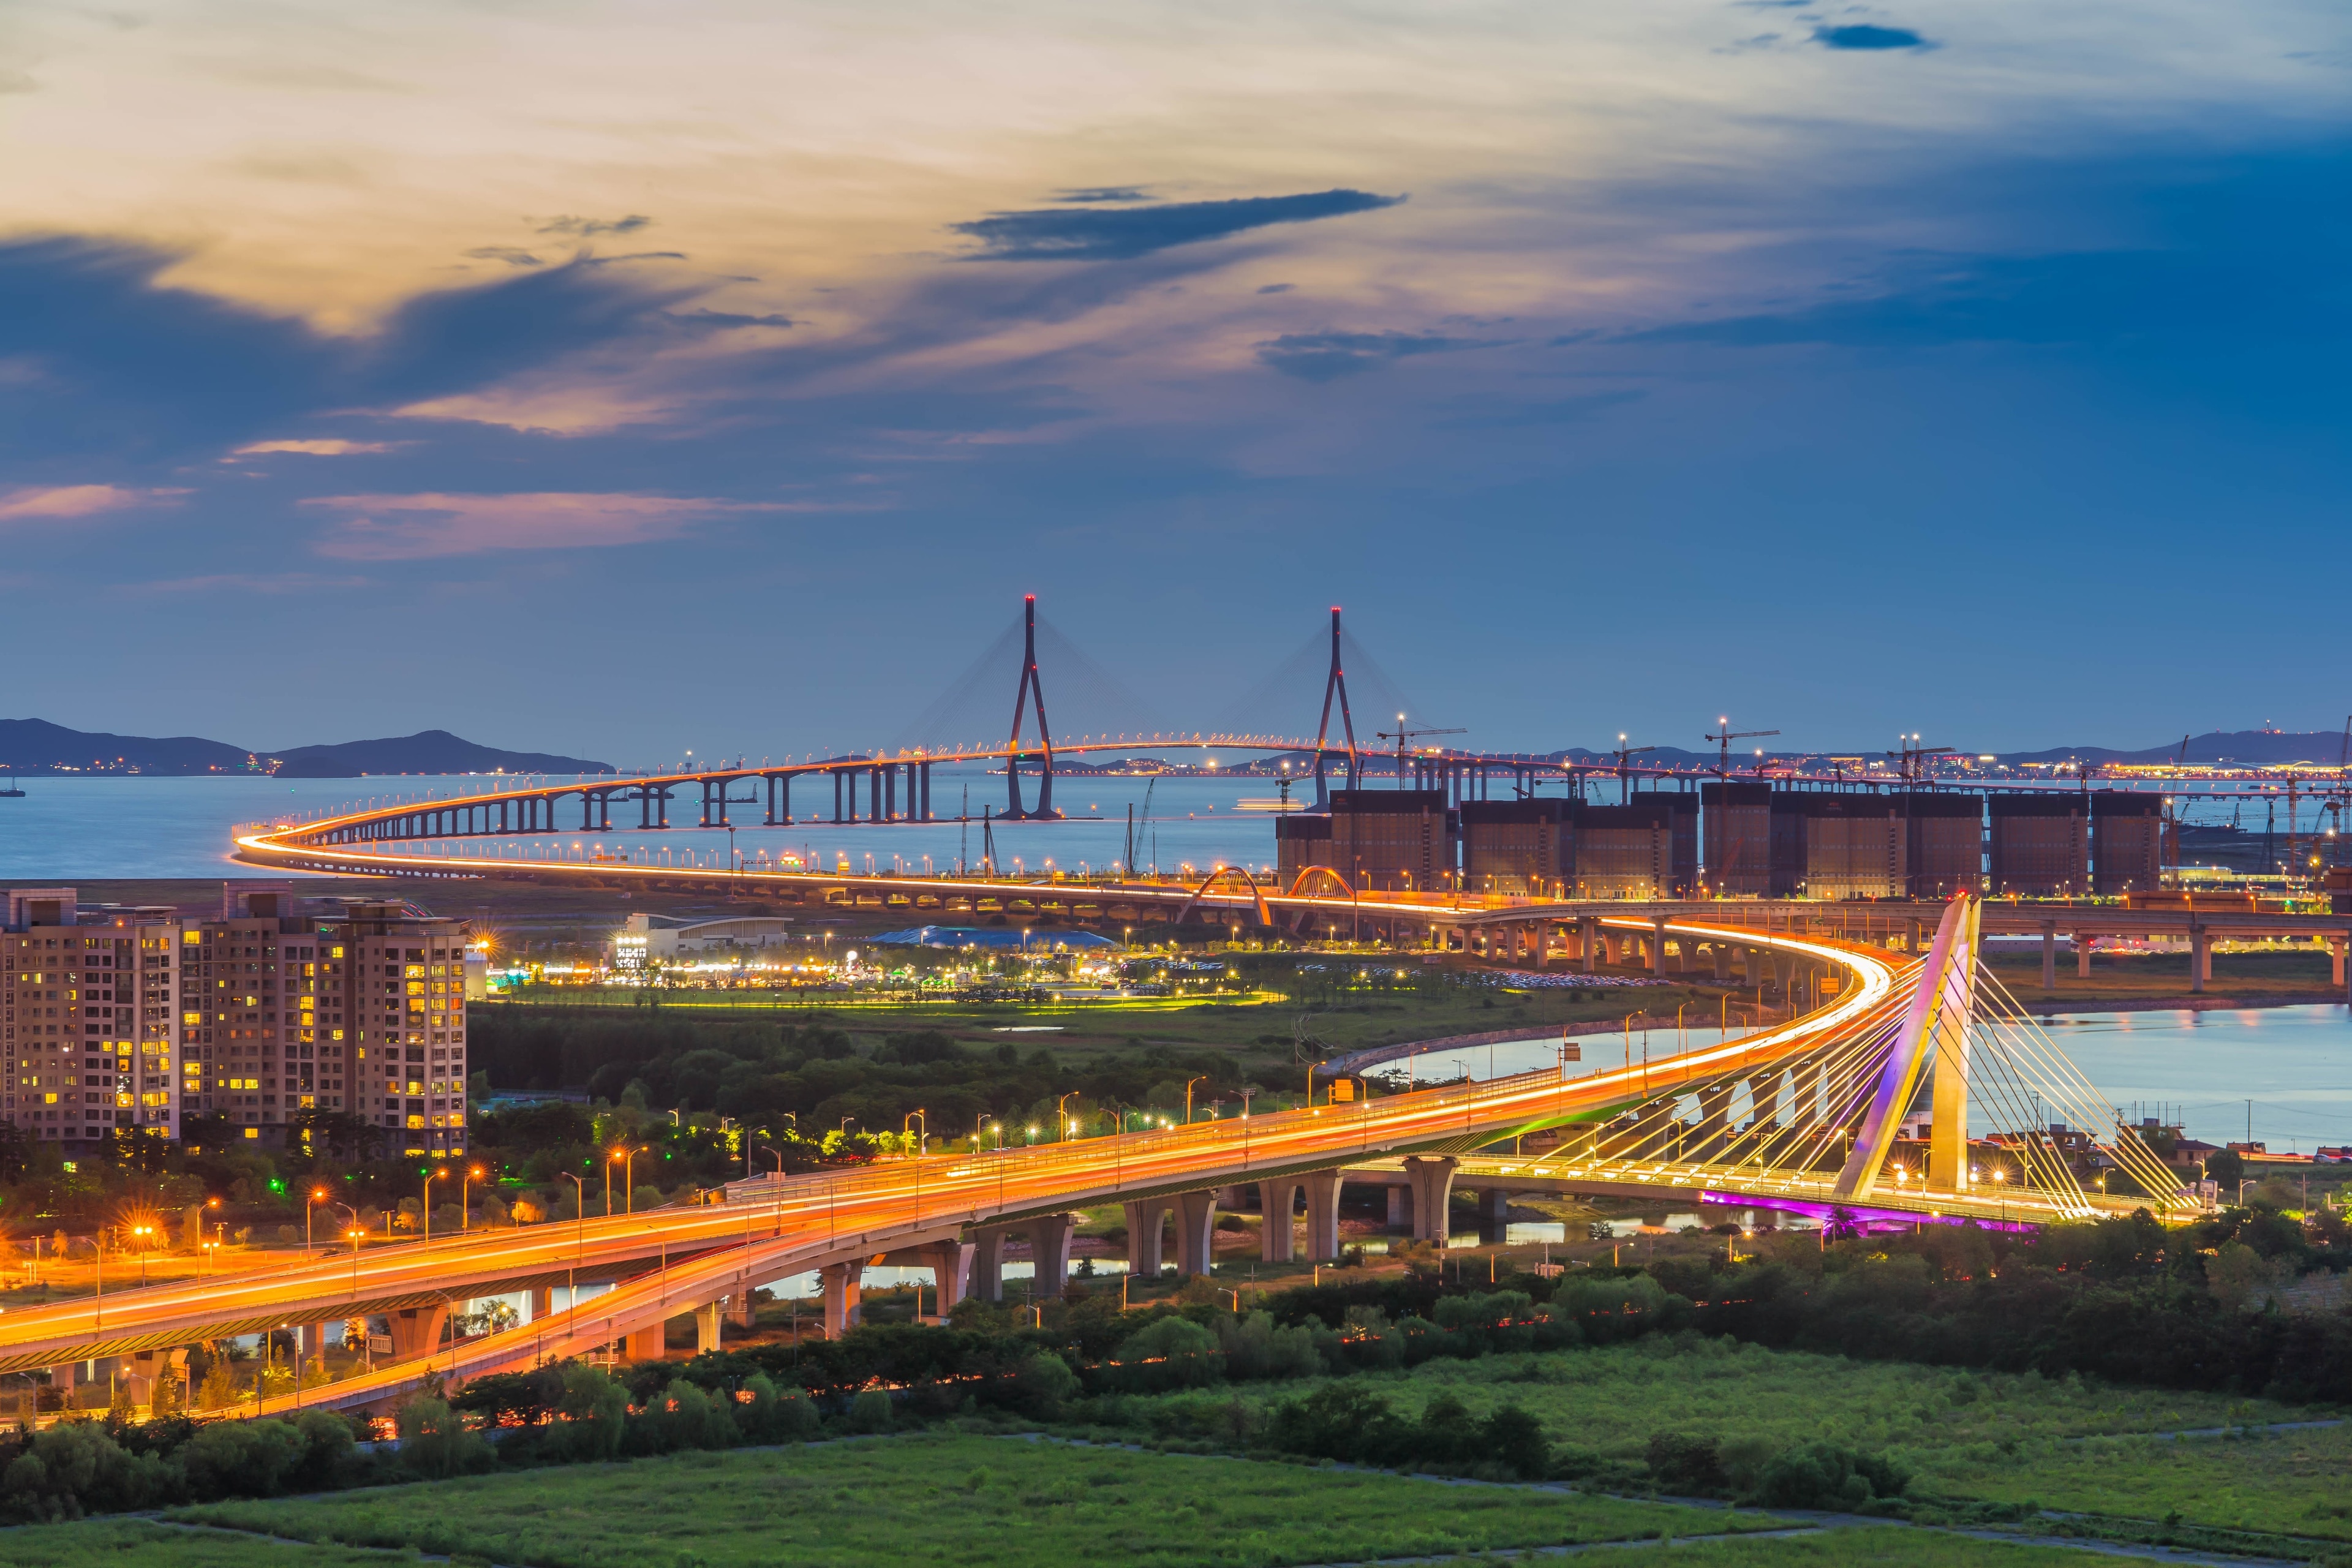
(319, 449)
(414, 527)
(75, 500)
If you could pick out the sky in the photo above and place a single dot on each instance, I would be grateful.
(616, 380)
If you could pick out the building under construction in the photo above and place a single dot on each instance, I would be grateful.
(1390, 840)
(1628, 851)
(1945, 842)
(1738, 823)
(2040, 845)
(1519, 846)
(2126, 842)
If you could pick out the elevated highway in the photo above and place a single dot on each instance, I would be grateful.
(1823, 1094)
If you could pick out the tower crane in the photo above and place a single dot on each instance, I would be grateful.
(1914, 757)
(1400, 735)
(1625, 753)
(1723, 759)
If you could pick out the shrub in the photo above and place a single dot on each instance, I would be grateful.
(1168, 1352)
(871, 1412)
(1825, 1475)
(1256, 1347)
(241, 1459)
(1044, 1384)
(1686, 1464)
(591, 1416)
(774, 1415)
(435, 1442)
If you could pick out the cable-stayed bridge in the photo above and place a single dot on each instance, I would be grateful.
(1808, 1115)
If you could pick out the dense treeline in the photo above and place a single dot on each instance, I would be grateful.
(761, 1072)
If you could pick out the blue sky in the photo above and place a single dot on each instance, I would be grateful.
(592, 380)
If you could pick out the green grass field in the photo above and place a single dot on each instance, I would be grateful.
(140, 1543)
(968, 1500)
(1982, 1437)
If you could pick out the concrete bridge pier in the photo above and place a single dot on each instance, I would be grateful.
(542, 1303)
(945, 1260)
(2082, 956)
(842, 1284)
(1049, 1244)
(2049, 955)
(311, 1346)
(1431, 1179)
(1658, 945)
(1721, 954)
(1323, 1217)
(1588, 941)
(646, 1344)
(1196, 1228)
(741, 1307)
(1146, 1220)
(1276, 1229)
(417, 1331)
(708, 1319)
(1764, 1097)
(2200, 959)
(987, 1277)
(1400, 1208)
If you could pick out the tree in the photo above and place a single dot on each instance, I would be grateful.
(2226, 1167)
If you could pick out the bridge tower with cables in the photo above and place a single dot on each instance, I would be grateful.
(1030, 688)
(1334, 685)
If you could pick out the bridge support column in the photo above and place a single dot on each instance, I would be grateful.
(945, 1260)
(542, 1303)
(1277, 1202)
(2200, 959)
(1147, 1218)
(1494, 1206)
(2335, 947)
(2049, 955)
(742, 1309)
(844, 1282)
(1658, 945)
(2081, 955)
(1196, 1230)
(706, 1319)
(312, 1346)
(1323, 1217)
(1722, 956)
(1764, 1097)
(1400, 1208)
(988, 1263)
(1432, 1190)
(646, 1344)
(417, 1331)
(1588, 941)
(1049, 1244)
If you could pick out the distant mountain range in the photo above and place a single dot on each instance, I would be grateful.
(2245, 748)
(37, 746)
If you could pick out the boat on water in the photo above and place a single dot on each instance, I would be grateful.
(11, 792)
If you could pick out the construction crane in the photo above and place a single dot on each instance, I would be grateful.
(1400, 735)
(1723, 759)
(1914, 757)
(1625, 753)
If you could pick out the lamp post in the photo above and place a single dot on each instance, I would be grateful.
(1061, 1120)
(310, 1212)
(426, 1202)
(465, 1186)
(1188, 1095)
(579, 1236)
(140, 1233)
(628, 1159)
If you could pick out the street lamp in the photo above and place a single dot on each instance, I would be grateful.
(309, 1211)
(579, 1236)
(628, 1161)
(1188, 1095)
(473, 1174)
(427, 1200)
(140, 1233)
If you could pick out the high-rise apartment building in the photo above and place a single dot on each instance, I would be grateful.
(278, 1009)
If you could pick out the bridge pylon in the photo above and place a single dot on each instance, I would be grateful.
(1933, 1033)
(1030, 688)
(1334, 684)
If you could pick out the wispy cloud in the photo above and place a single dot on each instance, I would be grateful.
(329, 447)
(1863, 36)
(415, 527)
(1102, 234)
(1327, 356)
(586, 226)
(76, 500)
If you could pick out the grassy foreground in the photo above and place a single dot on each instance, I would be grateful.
(971, 1500)
(1978, 1436)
